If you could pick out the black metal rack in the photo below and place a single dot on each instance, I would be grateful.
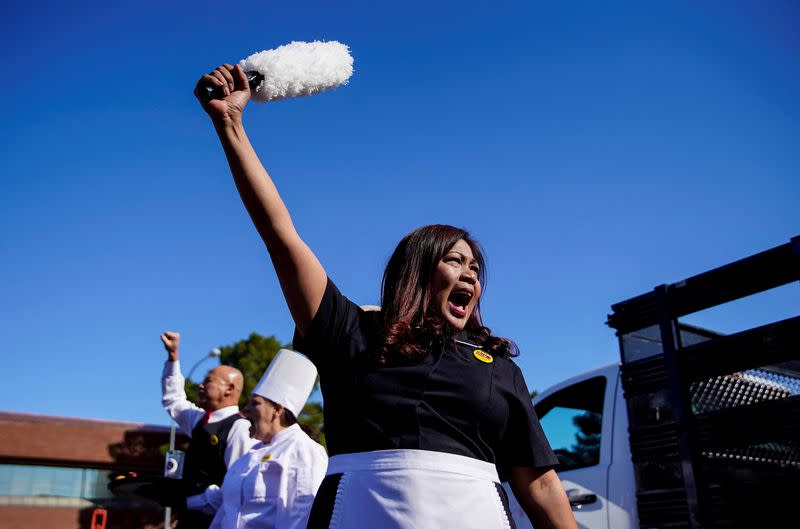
(714, 421)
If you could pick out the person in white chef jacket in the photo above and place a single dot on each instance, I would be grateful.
(273, 485)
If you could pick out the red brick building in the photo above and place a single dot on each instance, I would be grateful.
(55, 471)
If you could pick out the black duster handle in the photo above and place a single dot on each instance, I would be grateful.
(253, 78)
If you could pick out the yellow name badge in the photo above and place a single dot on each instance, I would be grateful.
(214, 440)
(483, 356)
(266, 458)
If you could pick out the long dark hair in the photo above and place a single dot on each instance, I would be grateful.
(410, 324)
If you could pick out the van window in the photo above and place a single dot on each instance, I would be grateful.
(572, 420)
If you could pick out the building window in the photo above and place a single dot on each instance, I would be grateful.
(55, 486)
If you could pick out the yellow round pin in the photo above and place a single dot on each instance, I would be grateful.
(214, 440)
(483, 356)
(266, 458)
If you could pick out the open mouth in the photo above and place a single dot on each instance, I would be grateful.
(458, 301)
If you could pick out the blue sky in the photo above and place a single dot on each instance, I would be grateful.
(595, 149)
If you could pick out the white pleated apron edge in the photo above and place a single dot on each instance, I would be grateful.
(415, 489)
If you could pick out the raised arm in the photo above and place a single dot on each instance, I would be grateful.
(301, 275)
(173, 395)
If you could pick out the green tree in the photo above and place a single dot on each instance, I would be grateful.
(251, 356)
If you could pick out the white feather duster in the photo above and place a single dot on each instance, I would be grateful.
(299, 69)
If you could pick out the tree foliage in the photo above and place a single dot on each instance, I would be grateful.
(587, 439)
(251, 356)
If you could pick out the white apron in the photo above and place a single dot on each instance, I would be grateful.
(416, 489)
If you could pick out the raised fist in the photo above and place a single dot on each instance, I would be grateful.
(171, 340)
(231, 82)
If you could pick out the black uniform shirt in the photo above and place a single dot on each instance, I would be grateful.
(451, 401)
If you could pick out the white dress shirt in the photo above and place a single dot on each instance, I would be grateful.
(273, 485)
(187, 415)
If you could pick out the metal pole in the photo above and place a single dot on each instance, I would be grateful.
(168, 510)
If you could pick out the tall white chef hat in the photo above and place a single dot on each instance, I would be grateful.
(288, 380)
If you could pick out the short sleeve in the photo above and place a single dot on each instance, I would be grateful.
(523, 443)
(336, 321)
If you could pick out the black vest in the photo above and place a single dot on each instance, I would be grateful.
(205, 458)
